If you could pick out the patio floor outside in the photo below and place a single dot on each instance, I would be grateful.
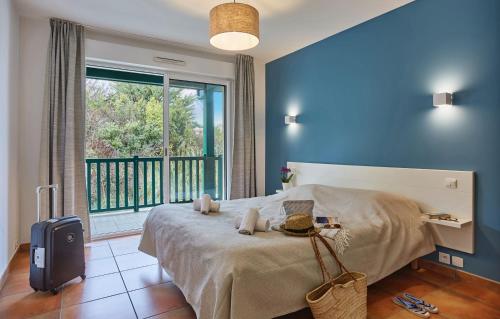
(108, 224)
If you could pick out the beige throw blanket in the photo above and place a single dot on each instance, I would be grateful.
(227, 275)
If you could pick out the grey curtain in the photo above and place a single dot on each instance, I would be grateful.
(62, 154)
(243, 175)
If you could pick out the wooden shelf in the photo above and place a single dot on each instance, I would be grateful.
(461, 222)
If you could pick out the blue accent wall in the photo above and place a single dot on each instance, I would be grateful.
(364, 97)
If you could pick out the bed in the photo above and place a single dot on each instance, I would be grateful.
(227, 275)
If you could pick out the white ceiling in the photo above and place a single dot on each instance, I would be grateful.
(286, 25)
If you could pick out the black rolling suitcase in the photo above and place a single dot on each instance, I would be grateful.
(57, 253)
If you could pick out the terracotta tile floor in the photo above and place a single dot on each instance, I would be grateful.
(125, 283)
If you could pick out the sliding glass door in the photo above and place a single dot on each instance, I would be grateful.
(124, 140)
(196, 135)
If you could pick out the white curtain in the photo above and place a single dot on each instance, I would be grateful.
(62, 155)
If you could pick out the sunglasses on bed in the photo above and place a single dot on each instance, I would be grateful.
(327, 222)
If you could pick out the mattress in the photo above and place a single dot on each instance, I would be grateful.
(224, 274)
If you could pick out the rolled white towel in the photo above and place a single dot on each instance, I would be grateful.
(214, 206)
(205, 204)
(197, 204)
(263, 224)
(249, 221)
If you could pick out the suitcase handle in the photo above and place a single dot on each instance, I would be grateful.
(39, 190)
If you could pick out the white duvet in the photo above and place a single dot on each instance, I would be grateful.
(227, 275)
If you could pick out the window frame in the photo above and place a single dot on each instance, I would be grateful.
(157, 76)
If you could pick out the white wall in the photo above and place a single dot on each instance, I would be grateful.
(260, 125)
(111, 48)
(34, 35)
(138, 53)
(9, 210)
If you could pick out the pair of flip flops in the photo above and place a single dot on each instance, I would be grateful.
(415, 305)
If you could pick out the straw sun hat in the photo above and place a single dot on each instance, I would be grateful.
(298, 224)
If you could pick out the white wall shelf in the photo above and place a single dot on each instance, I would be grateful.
(461, 222)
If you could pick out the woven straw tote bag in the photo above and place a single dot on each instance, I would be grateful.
(338, 297)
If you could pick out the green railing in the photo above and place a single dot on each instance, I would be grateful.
(137, 182)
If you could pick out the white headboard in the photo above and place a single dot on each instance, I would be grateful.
(427, 187)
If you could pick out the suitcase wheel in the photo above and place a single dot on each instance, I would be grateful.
(35, 289)
(54, 291)
(83, 277)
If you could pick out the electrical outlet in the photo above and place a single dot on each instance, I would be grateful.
(451, 183)
(457, 261)
(444, 258)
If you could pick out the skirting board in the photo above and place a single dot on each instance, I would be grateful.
(3, 276)
(456, 274)
(426, 186)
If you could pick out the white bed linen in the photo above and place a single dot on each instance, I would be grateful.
(227, 275)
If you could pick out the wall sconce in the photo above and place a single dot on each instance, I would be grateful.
(290, 119)
(442, 99)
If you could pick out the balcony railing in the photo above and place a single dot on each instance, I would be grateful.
(137, 182)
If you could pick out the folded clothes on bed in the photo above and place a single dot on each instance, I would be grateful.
(329, 232)
(214, 206)
(263, 224)
(248, 222)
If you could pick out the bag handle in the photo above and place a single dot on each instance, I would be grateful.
(324, 271)
(332, 252)
(39, 190)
